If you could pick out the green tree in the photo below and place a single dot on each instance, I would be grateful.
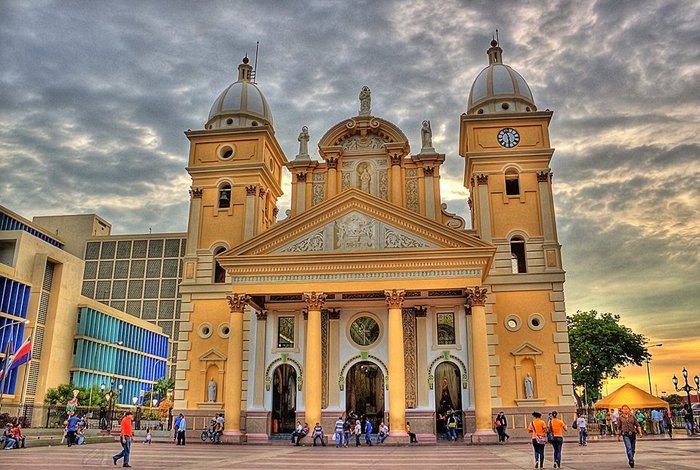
(162, 386)
(674, 400)
(64, 392)
(600, 346)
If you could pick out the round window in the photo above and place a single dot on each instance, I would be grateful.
(535, 321)
(227, 151)
(364, 331)
(512, 322)
(204, 330)
(224, 330)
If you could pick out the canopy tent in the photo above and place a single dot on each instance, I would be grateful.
(631, 396)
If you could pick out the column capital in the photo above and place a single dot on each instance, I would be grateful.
(333, 314)
(543, 176)
(314, 300)
(421, 312)
(394, 298)
(396, 158)
(476, 297)
(250, 190)
(301, 177)
(429, 170)
(195, 193)
(261, 315)
(262, 192)
(237, 302)
(482, 179)
(332, 162)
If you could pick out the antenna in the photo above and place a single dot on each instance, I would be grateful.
(499, 42)
(255, 67)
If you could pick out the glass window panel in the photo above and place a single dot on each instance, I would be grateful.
(106, 269)
(170, 268)
(135, 289)
(90, 270)
(155, 249)
(121, 269)
(123, 249)
(153, 268)
(139, 249)
(167, 309)
(167, 288)
(285, 332)
(137, 268)
(151, 289)
(108, 250)
(89, 289)
(446, 328)
(172, 248)
(119, 290)
(92, 250)
(103, 290)
(150, 308)
(133, 307)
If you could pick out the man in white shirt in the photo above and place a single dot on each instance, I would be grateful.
(338, 436)
(581, 422)
(181, 430)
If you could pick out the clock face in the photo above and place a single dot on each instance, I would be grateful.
(508, 137)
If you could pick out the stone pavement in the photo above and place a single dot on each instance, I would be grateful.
(651, 454)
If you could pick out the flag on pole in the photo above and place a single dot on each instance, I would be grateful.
(22, 355)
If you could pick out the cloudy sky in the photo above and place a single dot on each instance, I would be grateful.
(95, 96)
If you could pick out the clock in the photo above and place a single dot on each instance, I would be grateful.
(508, 137)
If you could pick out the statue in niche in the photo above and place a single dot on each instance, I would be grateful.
(365, 178)
(529, 387)
(303, 142)
(211, 390)
(365, 101)
(426, 134)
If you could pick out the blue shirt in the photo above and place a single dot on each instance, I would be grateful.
(73, 423)
(368, 429)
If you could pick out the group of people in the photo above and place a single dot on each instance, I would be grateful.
(656, 421)
(347, 429)
(74, 430)
(626, 426)
(12, 436)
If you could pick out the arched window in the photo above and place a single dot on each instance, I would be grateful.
(219, 272)
(512, 183)
(517, 254)
(225, 196)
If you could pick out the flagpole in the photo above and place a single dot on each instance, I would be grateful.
(4, 370)
(26, 372)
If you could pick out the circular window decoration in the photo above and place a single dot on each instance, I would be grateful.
(227, 151)
(512, 322)
(364, 331)
(535, 321)
(224, 330)
(205, 330)
(229, 121)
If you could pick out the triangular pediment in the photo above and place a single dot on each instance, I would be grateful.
(526, 349)
(355, 221)
(213, 355)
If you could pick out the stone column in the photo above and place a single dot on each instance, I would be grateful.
(250, 211)
(299, 200)
(234, 368)
(332, 180)
(333, 358)
(484, 207)
(193, 223)
(396, 184)
(429, 173)
(397, 376)
(546, 206)
(480, 352)
(314, 381)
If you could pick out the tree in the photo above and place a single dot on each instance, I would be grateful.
(674, 400)
(64, 392)
(163, 385)
(600, 346)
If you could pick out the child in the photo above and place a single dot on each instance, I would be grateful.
(149, 436)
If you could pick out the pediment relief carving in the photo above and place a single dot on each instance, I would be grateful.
(213, 355)
(527, 349)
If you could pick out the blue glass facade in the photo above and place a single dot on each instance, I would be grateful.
(140, 360)
(14, 299)
(10, 223)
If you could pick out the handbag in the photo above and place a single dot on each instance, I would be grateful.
(540, 439)
(550, 437)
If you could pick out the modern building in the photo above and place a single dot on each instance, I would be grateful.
(40, 284)
(371, 298)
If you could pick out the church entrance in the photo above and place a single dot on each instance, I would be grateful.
(448, 397)
(365, 392)
(284, 399)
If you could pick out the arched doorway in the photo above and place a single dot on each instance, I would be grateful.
(364, 394)
(284, 399)
(448, 396)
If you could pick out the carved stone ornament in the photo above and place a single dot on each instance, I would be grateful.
(250, 190)
(543, 176)
(195, 193)
(394, 297)
(315, 242)
(262, 192)
(237, 302)
(421, 312)
(394, 239)
(476, 297)
(275, 211)
(429, 170)
(301, 177)
(396, 158)
(470, 203)
(482, 179)
(261, 315)
(359, 143)
(471, 181)
(333, 314)
(365, 101)
(408, 319)
(314, 300)
(332, 163)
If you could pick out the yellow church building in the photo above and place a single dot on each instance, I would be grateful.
(369, 298)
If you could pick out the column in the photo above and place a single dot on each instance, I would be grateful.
(546, 206)
(256, 393)
(312, 358)
(332, 180)
(429, 173)
(250, 192)
(396, 183)
(484, 207)
(193, 222)
(480, 352)
(397, 378)
(234, 366)
(333, 358)
(299, 200)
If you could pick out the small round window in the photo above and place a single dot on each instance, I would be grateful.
(227, 151)
(364, 331)
(535, 321)
(204, 330)
(224, 330)
(512, 323)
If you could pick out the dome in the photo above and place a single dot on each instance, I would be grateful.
(499, 89)
(241, 104)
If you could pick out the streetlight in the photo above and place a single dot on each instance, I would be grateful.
(687, 388)
(657, 345)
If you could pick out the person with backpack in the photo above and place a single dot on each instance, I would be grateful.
(538, 428)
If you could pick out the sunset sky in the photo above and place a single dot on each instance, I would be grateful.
(96, 95)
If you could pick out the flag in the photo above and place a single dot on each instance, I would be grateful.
(7, 362)
(22, 355)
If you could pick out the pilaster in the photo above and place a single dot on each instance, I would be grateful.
(396, 375)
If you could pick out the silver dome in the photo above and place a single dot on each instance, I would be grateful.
(499, 89)
(241, 104)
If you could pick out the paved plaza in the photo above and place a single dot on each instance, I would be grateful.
(652, 454)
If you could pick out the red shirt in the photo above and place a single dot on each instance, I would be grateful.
(126, 429)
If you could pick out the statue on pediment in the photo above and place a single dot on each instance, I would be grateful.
(365, 101)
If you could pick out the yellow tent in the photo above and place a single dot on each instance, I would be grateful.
(631, 396)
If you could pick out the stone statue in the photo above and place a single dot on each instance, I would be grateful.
(365, 178)
(528, 387)
(303, 143)
(365, 101)
(212, 390)
(72, 405)
(426, 134)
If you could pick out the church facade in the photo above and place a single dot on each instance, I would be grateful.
(370, 299)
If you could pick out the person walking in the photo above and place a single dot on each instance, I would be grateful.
(668, 423)
(126, 434)
(176, 426)
(338, 436)
(347, 426)
(557, 427)
(628, 429)
(181, 428)
(538, 428)
(368, 432)
(501, 424)
(358, 432)
(582, 423)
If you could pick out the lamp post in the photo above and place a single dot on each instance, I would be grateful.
(687, 388)
(657, 345)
